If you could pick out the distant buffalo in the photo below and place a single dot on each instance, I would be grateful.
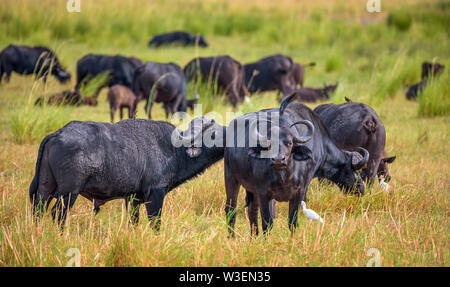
(120, 97)
(178, 37)
(120, 69)
(298, 74)
(168, 84)
(352, 125)
(67, 97)
(272, 73)
(228, 73)
(428, 70)
(31, 60)
(312, 94)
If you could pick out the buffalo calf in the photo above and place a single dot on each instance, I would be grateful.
(120, 97)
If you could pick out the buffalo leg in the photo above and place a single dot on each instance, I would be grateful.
(294, 204)
(232, 190)
(62, 207)
(253, 206)
(266, 218)
(112, 111)
(154, 207)
(134, 212)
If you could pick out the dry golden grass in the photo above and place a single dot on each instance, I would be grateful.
(409, 225)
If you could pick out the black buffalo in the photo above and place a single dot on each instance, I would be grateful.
(352, 125)
(272, 73)
(431, 69)
(164, 83)
(228, 73)
(178, 37)
(31, 60)
(120, 69)
(305, 151)
(132, 159)
(315, 94)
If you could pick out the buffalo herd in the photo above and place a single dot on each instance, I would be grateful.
(273, 153)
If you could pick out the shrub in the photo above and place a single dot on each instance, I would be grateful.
(400, 20)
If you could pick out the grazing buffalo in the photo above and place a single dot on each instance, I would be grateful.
(164, 83)
(352, 125)
(414, 90)
(67, 97)
(134, 158)
(228, 73)
(298, 74)
(431, 69)
(272, 73)
(120, 69)
(280, 164)
(312, 94)
(179, 38)
(31, 60)
(120, 97)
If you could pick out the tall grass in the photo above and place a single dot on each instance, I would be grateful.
(434, 100)
(30, 123)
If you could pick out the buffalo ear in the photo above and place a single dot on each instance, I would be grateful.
(389, 159)
(301, 153)
(193, 151)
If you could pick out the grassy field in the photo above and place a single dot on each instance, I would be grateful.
(374, 57)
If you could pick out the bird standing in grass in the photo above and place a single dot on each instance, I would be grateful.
(311, 214)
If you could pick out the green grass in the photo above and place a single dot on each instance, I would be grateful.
(373, 62)
(435, 98)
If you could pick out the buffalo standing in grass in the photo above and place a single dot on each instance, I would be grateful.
(177, 37)
(352, 125)
(120, 97)
(272, 73)
(31, 60)
(305, 151)
(428, 70)
(120, 70)
(133, 158)
(162, 83)
(228, 73)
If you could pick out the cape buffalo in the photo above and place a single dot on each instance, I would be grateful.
(170, 87)
(178, 37)
(272, 73)
(31, 60)
(283, 162)
(228, 73)
(120, 69)
(120, 97)
(312, 94)
(298, 74)
(352, 125)
(68, 97)
(134, 158)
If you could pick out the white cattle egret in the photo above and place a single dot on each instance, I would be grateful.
(311, 214)
(384, 185)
